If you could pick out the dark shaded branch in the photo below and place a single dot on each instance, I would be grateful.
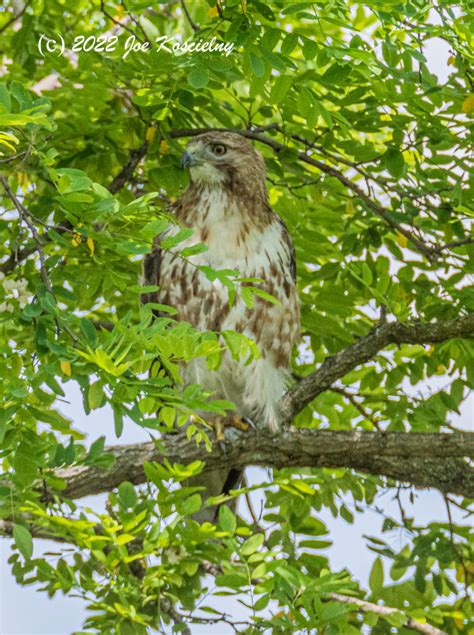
(16, 17)
(126, 173)
(122, 25)
(6, 529)
(468, 240)
(18, 256)
(192, 24)
(358, 406)
(25, 217)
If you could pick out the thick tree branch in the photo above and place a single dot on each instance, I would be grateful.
(366, 348)
(423, 459)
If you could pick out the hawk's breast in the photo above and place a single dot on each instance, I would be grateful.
(234, 242)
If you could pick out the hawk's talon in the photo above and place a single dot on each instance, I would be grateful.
(239, 423)
(219, 424)
(249, 423)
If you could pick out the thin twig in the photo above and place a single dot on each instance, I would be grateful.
(400, 506)
(454, 547)
(122, 25)
(192, 24)
(24, 215)
(14, 18)
(357, 406)
(13, 157)
(248, 500)
(126, 173)
(468, 240)
(137, 23)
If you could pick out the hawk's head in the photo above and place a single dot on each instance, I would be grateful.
(223, 158)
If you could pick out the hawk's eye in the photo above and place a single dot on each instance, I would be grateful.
(219, 149)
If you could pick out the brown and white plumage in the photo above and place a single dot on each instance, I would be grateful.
(226, 204)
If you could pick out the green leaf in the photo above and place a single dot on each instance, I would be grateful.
(23, 540)
(198, 77)
(257, 64)
(118, 422)
(376, 577)
(252, 545)
(5, 100)
(394, 162)
(179, 237)
(289, 44)
(89, 331)
(227, 520)
(96, 395)
(191, 505)
(154, 228)
(199, 248)
(127, 494)
(280, 88)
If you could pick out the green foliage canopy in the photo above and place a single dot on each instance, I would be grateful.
(368, 157)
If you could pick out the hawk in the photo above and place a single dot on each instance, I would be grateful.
(226, 205)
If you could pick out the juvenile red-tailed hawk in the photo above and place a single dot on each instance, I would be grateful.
(226, 204)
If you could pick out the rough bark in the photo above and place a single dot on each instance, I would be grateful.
(423, 459)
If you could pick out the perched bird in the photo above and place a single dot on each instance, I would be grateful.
(226, 204)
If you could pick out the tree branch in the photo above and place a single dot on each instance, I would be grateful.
(423, 459)
(16, 17)
(126, 173)
(383, 611)
(25, 217)
(192, 24)
(6, 529)
(366, 348)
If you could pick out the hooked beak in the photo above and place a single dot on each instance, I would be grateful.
(188, 159)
